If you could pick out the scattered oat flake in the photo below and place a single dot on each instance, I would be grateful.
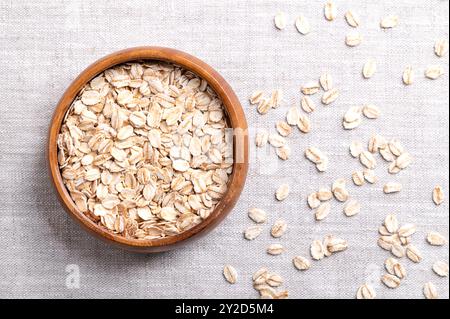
(367, 159)
(330, 96)
(441, 47)
(390, 281)
(326, 81)
(275, 249)
(434, 71)
(311, 87)
(441, 268)
(278, 229)
(307, 104)
(261, 138)
(282, 192)
(283, 128)
(369, 68)
(257, 215)
(436, 239)
(322, 211)
(283, 152)
(252, 232)
(301, 263)
(438, 195)
(263, 106)
(369, 176)
(392, 187)
(430, 291)
(275, 98)
(371, 111)
(313, 200)
(353, 39)
(256, 97)
(302, 25)
(230, 274)
(276, 140)
(391, 223)
(389, 21)
(358, 178)
(408, 75)
(352, 207)
(330, 10)
(293, 115)
(407, 230)
(352, 19)
(317, 250)
(356, 148)
(280, 20)
(413, 253)
(304, 123)
(366, 291)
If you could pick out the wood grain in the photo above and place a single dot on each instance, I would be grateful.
(236, 119)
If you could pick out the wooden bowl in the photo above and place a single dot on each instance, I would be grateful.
(236, 119)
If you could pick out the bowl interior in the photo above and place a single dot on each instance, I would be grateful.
(235, 119)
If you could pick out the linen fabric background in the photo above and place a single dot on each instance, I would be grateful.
(44, 45)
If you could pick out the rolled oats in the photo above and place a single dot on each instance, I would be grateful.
(278, 229)
(392, 187)
(441, 47)
(390, 281)
(275, 249)
(256, 97)
(261, 138)
(441, 268)
(276, 140)
(358, 178)
(301, 263)
(252, 232)
(353, 39)
(280, 20)
(352, 19)
(438, 195)
(367, 159)
(230, 274)
(434, 71)
(307, 104)
(436, 239)
(389, 21)
(414, 254)
(282, 192)
(322, 211)
(302, 25)
(313, 200)
(369, 68)
(356, 148)
(257, 215)
(283, 128)
(326, 81)
(366, 291)
(283, 152)
(330, 10)
(317, 250)
(330, 96)
(371, 111)
(352, 207)
(311, 87)
(430, 291)
(408, 75)
(369, 176)
(304, 124)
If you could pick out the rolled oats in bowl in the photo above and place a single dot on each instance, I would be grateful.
(145, 150)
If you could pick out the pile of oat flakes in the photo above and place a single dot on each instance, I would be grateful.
(393, 237)
(144, 150)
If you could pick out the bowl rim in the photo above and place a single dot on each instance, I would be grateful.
(236, 118)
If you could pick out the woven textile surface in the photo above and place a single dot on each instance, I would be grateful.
(44, 45)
